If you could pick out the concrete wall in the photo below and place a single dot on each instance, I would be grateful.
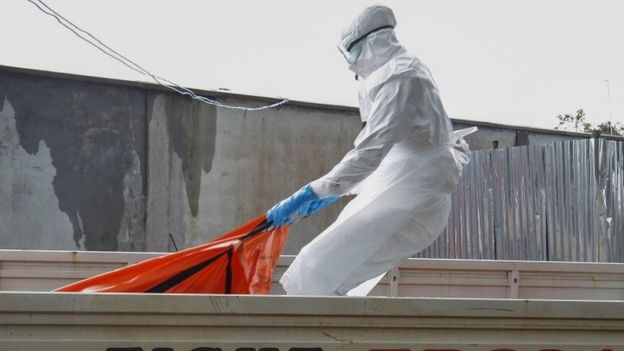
(72, 164)
(96, 164)
(212, 169)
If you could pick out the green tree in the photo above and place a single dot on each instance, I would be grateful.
(571, 121)
(610, 128)
(578, 122)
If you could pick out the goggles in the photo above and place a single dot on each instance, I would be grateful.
(354, 49)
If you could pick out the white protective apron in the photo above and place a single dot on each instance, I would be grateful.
(401, 209)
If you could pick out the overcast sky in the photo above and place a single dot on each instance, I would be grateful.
(512, 62)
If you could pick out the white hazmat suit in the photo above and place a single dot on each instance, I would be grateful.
(404, 165)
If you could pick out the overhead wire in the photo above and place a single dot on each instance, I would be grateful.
(107, 50)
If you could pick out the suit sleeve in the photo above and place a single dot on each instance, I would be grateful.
(389, 120)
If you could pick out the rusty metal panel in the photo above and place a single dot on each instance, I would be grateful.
(561, 202)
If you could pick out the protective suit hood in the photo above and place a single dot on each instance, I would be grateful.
(369, 41)
(377, 49)
(403, 166)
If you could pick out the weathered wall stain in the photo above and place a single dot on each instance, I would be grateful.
(28, 204)
(181, 151)
(95, 162)
(92, 131)
(158, 205)
(192, 128)
(262, 157)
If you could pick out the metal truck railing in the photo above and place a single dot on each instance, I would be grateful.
(46, 270)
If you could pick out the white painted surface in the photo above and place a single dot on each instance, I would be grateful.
(551, 316)
(69, 321)
(47, 270)
(29, 204)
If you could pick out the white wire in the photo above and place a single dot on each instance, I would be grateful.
(98, 44)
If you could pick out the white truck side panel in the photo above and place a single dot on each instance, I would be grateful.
(47, 270)
(136, 322)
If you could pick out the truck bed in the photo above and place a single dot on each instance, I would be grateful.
(133, 322)
(424, 305)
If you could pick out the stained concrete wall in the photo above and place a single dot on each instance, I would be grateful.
(98, 164)
(212, 169)
(72, 159)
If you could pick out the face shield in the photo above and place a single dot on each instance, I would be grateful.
(354, 49)
(351, 55)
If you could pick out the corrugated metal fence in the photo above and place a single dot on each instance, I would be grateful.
(557, 202)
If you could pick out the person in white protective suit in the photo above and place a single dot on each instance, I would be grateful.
(404, 165)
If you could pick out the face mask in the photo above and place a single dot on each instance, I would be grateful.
(351, 56)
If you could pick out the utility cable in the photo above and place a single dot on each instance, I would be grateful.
(107, 50)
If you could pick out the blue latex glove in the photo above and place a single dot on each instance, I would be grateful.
(282, 213)
(313, 207)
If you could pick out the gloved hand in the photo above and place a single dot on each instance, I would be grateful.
(313, 207)
(282, 213)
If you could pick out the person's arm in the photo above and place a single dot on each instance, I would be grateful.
(389, 120)
(391, 116)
